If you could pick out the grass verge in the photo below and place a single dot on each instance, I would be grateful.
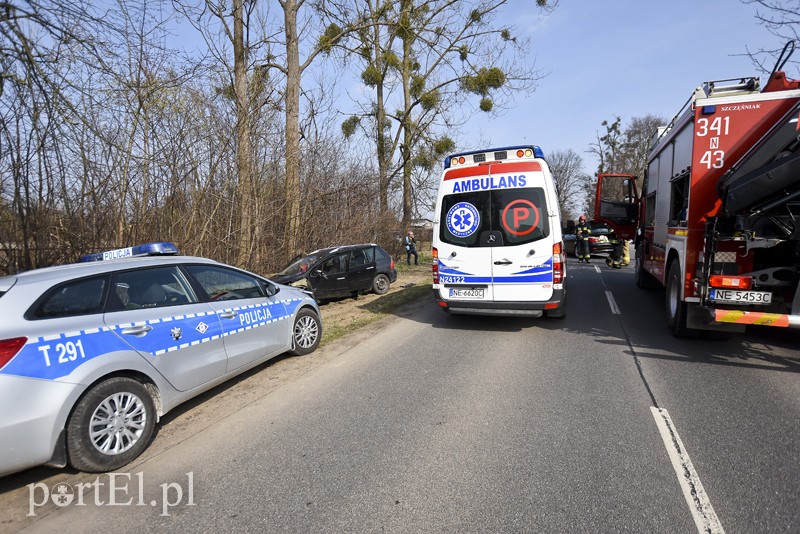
(371, 312)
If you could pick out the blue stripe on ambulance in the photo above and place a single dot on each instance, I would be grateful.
(540, 274)
(56, 356)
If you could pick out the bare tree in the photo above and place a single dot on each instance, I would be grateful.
(567, 169)
(781, 18)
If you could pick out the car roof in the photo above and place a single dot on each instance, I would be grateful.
(341, 248)
(81, 269)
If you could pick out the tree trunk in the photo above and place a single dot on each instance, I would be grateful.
(244, 152)
(292, 130)
(408, 134)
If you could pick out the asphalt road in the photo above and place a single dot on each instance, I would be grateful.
(600, 422)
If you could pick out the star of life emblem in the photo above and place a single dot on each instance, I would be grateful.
(463, 219)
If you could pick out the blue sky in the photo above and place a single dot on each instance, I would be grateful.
(622, 58)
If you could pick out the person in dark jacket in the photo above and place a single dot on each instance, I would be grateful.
(614, 259)
(411, 248)
(582, 233)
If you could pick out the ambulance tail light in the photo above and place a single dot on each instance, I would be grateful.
(9, 348)
(724, 281)
(435, 264)
(558, 264)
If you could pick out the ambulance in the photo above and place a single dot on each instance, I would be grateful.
(497, 247)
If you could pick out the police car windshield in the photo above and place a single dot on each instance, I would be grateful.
(300, 265)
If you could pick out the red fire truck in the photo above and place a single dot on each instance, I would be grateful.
(717, 222)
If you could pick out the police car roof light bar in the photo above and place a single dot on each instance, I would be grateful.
(161, 248)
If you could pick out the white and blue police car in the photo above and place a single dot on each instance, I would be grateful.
(92, 354)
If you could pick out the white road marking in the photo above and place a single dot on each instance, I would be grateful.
(703, 513)
(612, 303)
(597, 269)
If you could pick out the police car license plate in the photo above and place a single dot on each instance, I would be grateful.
(456, 293)
(732, 296)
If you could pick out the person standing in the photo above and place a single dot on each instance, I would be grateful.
(614, 259)
(411, 248)
(582, 233)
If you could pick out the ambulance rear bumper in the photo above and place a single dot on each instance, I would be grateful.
(554, 305)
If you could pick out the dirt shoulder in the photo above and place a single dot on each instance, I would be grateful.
(344, 316)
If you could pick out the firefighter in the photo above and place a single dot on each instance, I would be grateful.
(582, 232)
(626, 255)
(615, 258)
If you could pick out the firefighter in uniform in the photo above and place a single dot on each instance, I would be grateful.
(615, 258)
(582, 232)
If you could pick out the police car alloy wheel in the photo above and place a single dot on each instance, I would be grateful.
(306, 333)
(381, 284)
(111, 425)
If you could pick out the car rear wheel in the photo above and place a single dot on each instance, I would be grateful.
(307, 332)
(380, 284)
(110, 426)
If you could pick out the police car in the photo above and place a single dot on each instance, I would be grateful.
(92, 354)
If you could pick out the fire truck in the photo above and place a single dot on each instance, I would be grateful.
(716, 221)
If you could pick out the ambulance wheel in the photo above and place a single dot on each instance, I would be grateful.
(676, 309)
(110, 426)
(644, 280)
(380, 284)
(306, 333)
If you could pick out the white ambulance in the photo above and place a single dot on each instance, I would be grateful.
(497, 247)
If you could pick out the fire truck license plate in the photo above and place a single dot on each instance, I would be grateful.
(466, 293)
(733, 296)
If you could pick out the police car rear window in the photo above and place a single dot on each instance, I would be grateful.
(518, 215)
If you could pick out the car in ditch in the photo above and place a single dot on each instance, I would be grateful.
(342, 271)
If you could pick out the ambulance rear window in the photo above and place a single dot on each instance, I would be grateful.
(519, 215)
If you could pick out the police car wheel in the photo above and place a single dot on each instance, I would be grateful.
(110, 426)
(306, 333)
(380, 284)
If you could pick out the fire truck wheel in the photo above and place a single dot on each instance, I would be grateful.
(644, 280)
(676, 309)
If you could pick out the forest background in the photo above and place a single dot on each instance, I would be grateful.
(114, 132)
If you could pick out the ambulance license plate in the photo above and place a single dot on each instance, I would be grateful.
(457, 293)
(732, 296)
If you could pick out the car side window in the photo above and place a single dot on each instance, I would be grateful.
(221, 283)
(149, 288)
(78, 297)
(335, 264)
(359, 258)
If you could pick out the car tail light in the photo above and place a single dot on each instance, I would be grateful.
(391, 264)
(725, 281)
(594, 239)
(558, 264)
(435, 264)
(9, 348)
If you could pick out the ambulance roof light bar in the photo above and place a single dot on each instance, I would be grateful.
(493, 154)
(161, 248)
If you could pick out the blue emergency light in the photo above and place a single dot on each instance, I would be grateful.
(500, 154)
(162, 248)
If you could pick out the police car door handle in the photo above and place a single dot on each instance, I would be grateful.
(139, 330)
(368, 268)
(228, 314)
(503, 262)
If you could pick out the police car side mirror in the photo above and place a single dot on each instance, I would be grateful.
(270, 289)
